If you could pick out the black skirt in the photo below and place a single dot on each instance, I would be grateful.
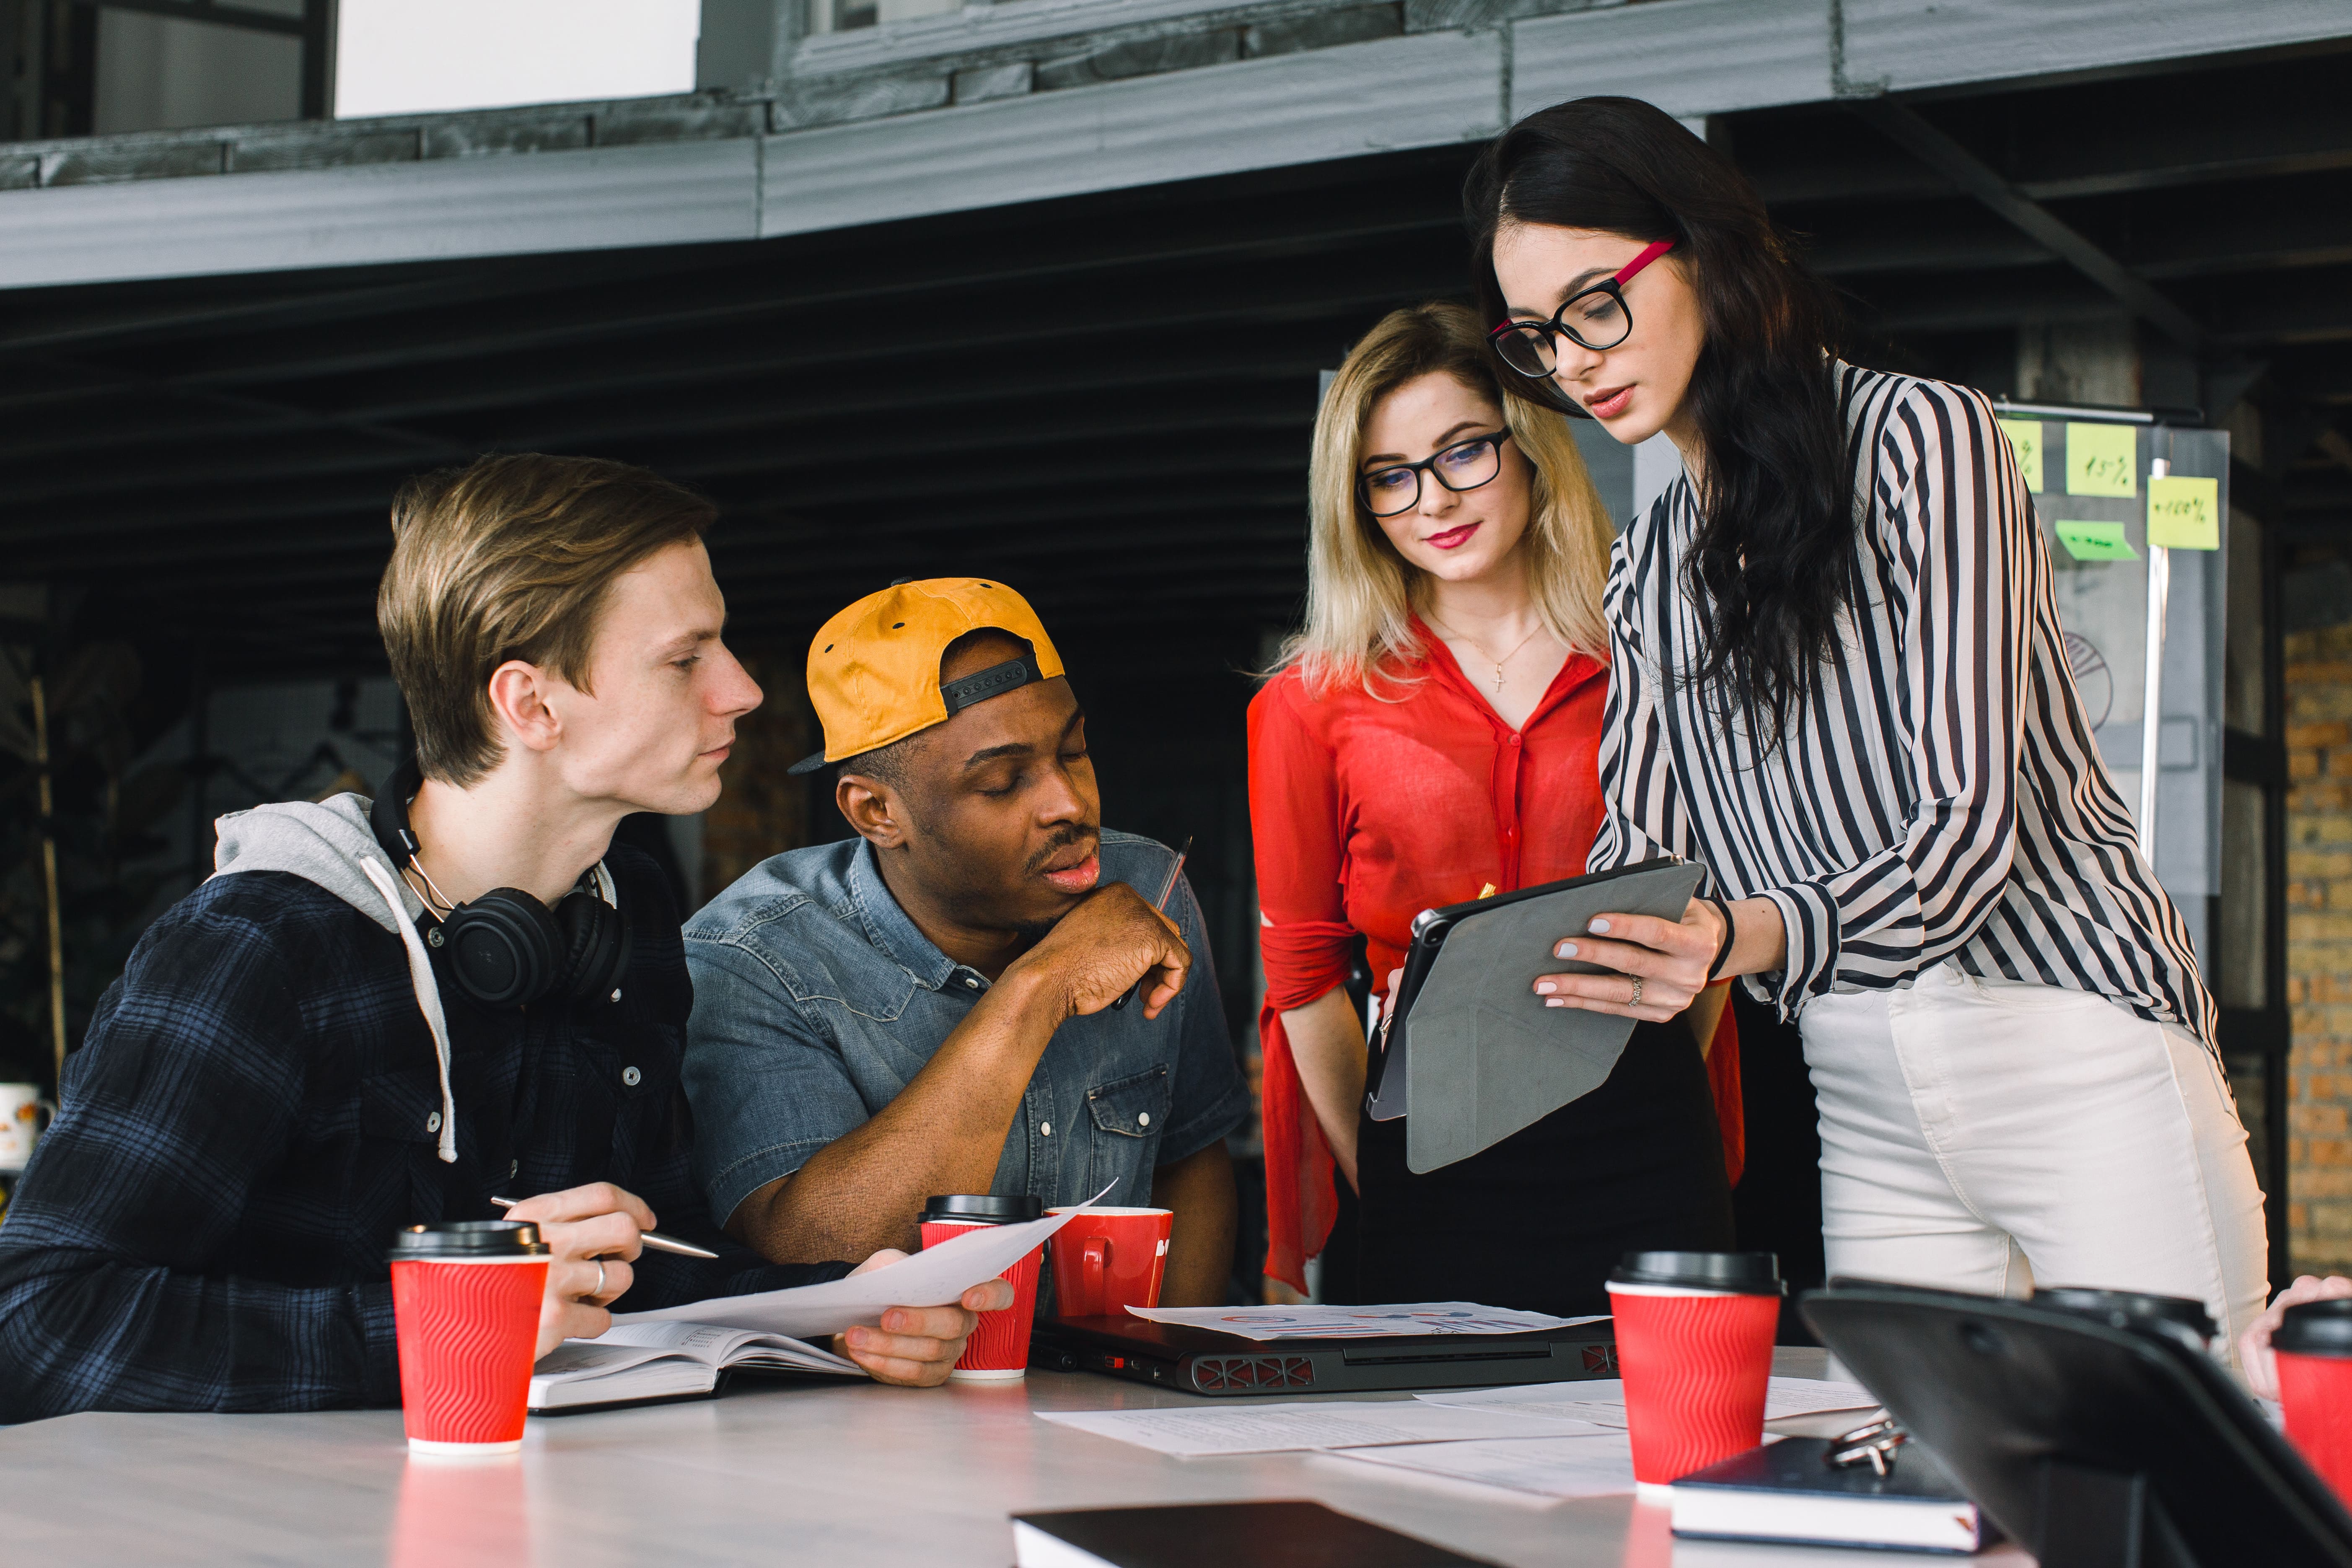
(1538, 1221)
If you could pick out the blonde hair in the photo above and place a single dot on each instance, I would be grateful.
(1361, 594)
(510, 557)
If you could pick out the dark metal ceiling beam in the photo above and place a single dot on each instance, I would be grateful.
(1203, 370)
(1908, 249)
(559, 313)
(1906, 127)
(2306, 305)
(2213, 171)
(698, 442)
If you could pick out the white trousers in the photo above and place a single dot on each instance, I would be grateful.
(1985, 1134)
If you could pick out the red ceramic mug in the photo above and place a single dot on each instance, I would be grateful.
(1108, 1259)
(998, 1351)
(465, 1307)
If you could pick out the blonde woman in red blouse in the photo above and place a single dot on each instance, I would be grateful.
(1431, 735)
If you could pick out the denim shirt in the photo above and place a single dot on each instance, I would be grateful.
(816, 1000)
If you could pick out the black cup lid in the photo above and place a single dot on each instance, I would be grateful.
(2316, 1328)
(1744, 1273)
(985, 1208)
(468, 1238)
(2117, 1307)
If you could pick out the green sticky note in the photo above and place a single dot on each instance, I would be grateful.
(2025, 440)
(2101, 460)
(2185, 514)
(2096, 542)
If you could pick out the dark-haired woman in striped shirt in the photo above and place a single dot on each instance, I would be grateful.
(1838, 681)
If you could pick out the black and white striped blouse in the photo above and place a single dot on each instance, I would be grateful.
(1939, 793)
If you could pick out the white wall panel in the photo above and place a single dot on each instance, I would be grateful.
(1422, 91)
(661, 194)
(1906, 44)
(1690, 58)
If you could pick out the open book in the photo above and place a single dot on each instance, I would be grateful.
(683, 1352)
(642, 1364)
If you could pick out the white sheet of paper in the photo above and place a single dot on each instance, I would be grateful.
(931, 1277)
(1346, 1323)
(1594, 1466)
(1604, 1401)
(1193, 1433)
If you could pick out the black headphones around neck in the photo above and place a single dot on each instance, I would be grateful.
(507, 950)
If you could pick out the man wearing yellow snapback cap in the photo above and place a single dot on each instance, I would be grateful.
(936, 1004)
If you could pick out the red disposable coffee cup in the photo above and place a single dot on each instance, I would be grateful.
(1108, 1259)
(998, 1351)
(465, 1305)
(1694, 1335)
(2313, 1349)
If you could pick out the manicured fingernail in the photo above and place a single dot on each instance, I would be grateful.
(1557, 1002)
(1544, 988)
(1598, 926)
(1565, 950)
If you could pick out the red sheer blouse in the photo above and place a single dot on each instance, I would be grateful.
(1365, 813)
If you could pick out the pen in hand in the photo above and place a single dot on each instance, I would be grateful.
(652, 1238)
(1167, 890)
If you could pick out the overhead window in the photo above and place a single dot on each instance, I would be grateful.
(407, 56)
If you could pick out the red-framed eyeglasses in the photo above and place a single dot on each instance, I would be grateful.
(1596, 318)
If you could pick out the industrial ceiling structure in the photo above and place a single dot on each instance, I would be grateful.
(1104, 398)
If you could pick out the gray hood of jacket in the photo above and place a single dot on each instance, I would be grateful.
(324, 844)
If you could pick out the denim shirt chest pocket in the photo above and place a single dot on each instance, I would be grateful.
(1126, 1115)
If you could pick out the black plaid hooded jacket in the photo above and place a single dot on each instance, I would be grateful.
(255, 1110)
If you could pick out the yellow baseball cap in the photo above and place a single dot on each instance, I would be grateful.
(874, 669)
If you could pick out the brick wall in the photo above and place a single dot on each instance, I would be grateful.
(2319, 948)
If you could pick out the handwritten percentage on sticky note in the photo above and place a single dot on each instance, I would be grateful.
(2185, 514)
(2025, 440)
(2101, 460)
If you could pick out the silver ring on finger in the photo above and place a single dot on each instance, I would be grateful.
(593, 1295)
(1635, 999)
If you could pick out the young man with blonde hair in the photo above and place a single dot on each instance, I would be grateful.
(388, 1014)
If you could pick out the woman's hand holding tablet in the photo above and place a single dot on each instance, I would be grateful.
(1662, 965)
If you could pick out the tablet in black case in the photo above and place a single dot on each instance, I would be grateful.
(1469, 1049)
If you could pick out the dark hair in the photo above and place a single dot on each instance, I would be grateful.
(1771, 566)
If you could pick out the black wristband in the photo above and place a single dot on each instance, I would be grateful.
(1730, 934)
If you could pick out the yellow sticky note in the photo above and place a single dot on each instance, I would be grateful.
(2025, 440)
(2095, 540)
(2101, 460)
(2185, 514)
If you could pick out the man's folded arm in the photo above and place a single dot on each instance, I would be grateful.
(112, 1291)
(786, 1149)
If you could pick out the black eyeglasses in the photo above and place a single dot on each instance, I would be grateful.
(1596, 318)
(1464, 466)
